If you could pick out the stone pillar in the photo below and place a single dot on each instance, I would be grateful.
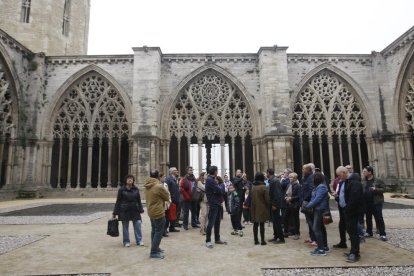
(200, 157)
(281, 149)
(145, 101)
(109, 181)
(100, 163)
(79, 161)
(223, 171)
(89, 165)
(331, 157)
(69, 178)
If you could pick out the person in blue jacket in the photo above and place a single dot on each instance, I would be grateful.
(320, 204)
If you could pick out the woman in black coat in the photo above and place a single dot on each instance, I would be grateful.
(128, 207)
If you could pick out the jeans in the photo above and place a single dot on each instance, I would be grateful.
(235, 222)
(157, 229)
(187, 207)
(319, 230)
(309, 220)
(277, 225)
(376, 211)
(137, 231)
(214, 214)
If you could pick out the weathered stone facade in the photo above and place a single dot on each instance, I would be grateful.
(55, 27)
(84, 121)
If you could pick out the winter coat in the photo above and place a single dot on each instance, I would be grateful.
(234, 203)
(296, 197)
(275, 193)
(378, 194)
(128, 204)
(156, 195)
(320, 198)
(260, 203)
(307, 188)
(173, 189)
(238, 184)
(353, 195)
(214, 191)
(186, 188)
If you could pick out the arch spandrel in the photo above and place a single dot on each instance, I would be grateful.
(170, 102)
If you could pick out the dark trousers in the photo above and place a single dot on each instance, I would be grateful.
(285, 222)
(376, 211)
(214, 219)
(246, 214)
(342, 225)
(319, 230)
(157, 229)
(277, 224)
(309, 221)
(235, 222)
(292, 218)
(187, 208)
(255, 231)
(352, 229)
(196, 211)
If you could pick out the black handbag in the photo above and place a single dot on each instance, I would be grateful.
(113, 228)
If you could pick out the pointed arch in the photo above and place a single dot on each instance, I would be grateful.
(358, 92)
(400, 93)
(90, 125)
(169, 103)
(13, 86)
(57, 98)
(328, 117)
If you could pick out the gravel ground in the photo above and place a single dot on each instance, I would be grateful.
(377, 271)
(402, 238)
(9, 243)
(52, 219)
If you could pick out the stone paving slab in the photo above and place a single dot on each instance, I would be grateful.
(80, 248)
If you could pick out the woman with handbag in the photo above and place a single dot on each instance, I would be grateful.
(320, 204)
(128, 207)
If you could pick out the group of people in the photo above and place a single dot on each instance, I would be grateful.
(277, 199)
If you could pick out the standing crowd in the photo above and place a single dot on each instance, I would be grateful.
(277, 199)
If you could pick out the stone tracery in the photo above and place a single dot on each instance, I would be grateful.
(326, 109)
(92, 116)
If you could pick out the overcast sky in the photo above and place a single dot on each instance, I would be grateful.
(241, 26)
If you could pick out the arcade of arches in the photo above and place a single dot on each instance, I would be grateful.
(85, 122)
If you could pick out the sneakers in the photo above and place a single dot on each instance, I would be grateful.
(127, 244)
(307, 241)
(234, 233)
(318, 252)
(240, 233)
(157, 256)
(326, 249)
(366, 235)
(263, 243)
(296, 237)
(340, 245)
(209, 245)
(352, 258)
(383, 238)
(312, 244)
(141, 243)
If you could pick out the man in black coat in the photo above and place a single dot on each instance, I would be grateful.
(352, 195)
(171, 181)
(276, 197)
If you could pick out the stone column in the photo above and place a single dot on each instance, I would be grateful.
(223, 170)
(119, 176)
(89, 165)
(233, 155)
(49, 162)
(100, 163)
(60, 162)
(331, 157)
(69, 178)
(351, 160)
(341, 159)
(320, 152)
(79, 161)
(200, 153)
(109, 181)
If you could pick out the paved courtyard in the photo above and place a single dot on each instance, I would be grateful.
(68, 236)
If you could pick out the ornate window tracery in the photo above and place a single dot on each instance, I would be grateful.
(409, 100)
(328, 119)
(211, 110)
(6, 124)
(210, 107)
(91, 121)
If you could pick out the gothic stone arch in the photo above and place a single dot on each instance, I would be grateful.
(211, 109)
(328, 121)
(91, 129)
(8, 119)
(404, 111)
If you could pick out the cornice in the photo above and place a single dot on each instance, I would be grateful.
(203, 58)
(399, 43)
(334, 58)
(114, 59)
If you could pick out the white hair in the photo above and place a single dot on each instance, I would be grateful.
(172, 169)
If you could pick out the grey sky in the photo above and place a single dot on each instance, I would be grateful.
(241, 26)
